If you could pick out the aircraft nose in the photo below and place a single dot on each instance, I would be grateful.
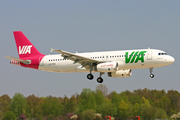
(171, 59)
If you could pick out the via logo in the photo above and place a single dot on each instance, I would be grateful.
(25, 49)
(134, 57)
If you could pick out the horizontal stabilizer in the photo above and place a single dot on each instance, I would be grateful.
(19, 60)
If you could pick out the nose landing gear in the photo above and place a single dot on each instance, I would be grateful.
(151, 70)
(151, 75)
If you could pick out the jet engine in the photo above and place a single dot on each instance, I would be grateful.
(120, 73)
(107, 67)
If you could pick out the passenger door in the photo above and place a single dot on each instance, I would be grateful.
(149, 55)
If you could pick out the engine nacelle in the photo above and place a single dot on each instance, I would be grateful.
(120, 73)
(107, 67)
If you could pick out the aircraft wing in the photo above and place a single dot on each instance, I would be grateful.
(19, 60)
(84, 61)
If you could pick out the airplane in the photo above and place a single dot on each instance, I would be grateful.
(117, 64)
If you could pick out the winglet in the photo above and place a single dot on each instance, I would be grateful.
(59, 51)
(52, 49)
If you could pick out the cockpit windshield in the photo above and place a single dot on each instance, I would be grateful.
(162, 53)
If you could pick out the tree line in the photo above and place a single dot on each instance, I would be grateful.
(146, 103)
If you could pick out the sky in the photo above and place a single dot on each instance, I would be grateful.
(88, 26)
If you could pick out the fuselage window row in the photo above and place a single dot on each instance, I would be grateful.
(106, 57)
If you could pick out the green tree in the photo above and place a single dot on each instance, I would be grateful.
(52, 106)
(66, 105)
(115, 98)
(18, 104)
(4, 104)
(107, 100)
(73, 103)
(135, 98)
(99, 97)
(165, 103)
(147, 112)
(9, 115)
(146, 102)
(107, 109)
(34, 106)
(136, 109)
(87, 100)
(88, 114)
(123, 109)
(160, 114)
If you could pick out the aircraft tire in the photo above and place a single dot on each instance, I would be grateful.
(152, 75)
(99, 80)
(90, 76)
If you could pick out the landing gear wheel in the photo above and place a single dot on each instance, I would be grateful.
(151, 75)
(99, 80)
(90, 76)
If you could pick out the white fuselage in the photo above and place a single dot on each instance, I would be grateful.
(151, 58)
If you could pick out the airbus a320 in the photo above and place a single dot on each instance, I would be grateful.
(117, 64)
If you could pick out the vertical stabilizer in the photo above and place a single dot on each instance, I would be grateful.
(24, 47)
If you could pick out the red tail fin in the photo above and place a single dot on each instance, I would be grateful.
(24, 47)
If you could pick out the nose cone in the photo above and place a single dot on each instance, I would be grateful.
(170, 59)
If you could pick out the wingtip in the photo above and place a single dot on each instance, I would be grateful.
(51, 49)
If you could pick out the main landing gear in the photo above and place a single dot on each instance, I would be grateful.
(99, 79)
(151, 70)
(90, 76)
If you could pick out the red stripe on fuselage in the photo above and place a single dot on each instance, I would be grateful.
(35, 60)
